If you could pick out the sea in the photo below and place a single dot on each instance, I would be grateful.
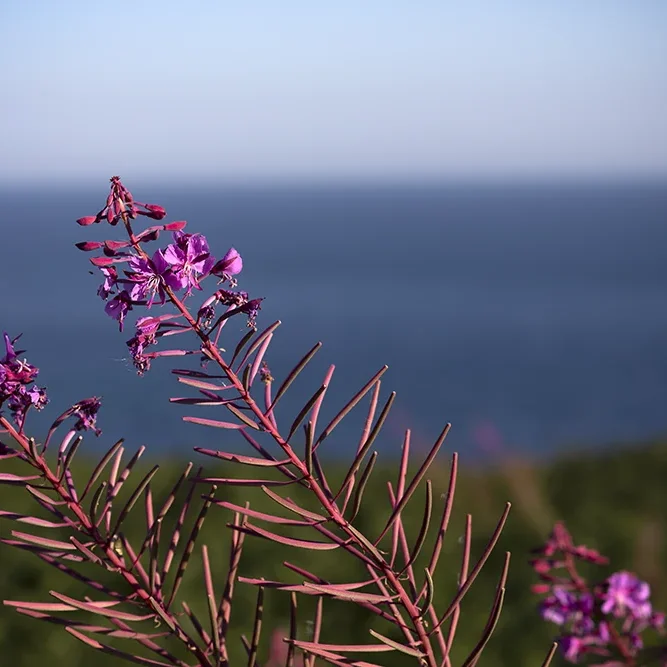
(532, 317)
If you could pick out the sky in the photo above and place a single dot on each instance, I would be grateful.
(322, 90)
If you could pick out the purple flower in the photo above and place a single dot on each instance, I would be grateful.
(230, 265)
(251, 309)
(15, 376)
(118, 307)
(24, 398)
(143, 338)
(627, 594)
(189, 259)
(569, 608)
(110, 281)
(572, 647)
(149, 277)
(558, 607)
(86, 411)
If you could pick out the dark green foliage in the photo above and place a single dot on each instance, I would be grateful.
(614, 501)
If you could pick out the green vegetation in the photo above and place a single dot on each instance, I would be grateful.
(613, 500)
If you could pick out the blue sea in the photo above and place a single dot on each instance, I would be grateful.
(535, 314)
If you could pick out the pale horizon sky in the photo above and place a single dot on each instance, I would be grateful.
(295, 90)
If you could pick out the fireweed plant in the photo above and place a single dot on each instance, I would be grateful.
(134, 595)
(602, 622)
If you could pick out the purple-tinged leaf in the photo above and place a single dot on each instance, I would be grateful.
(293, 625)
(257, 628)
(186, 372)
(102, 609)
(33, 520)
(409, 650)
(446, 513)
(213, 422)
(43, 541)
(69, 455)
(365, 542)
(141, 487)
(256, 343)
(80, 577)
(465, 586)
(293, 374)
(428, 596)
(53, 606)
(172, 495)
(86, 552)
(292, 506)
(303, 412)
(309, 659)
(307, 587)
(316, 408)
(363, 450)
(96, 629)
(238, 458)
(212, 605)
(402, 501)
(259, 357)
(345, 594)
(423, 530)
(257, 447)
(176, 534)
(370, 416)
(69, 483)
(174, 353)
(330, 656)
(9, 478)
(251, 529)
(44, 500)
(233, 481)
(40, 550)
(187, 400)
(189, 546)
(347, 648)
(95, 502)
(242, 416)
(261, 515)
(308, 446)
(348, 406)
(101, 465)
(472, 659)
(136, 565)
(361, 487)
(235, 551)
(164, 616)
(116, 652)
(197, 625)
(241, 344)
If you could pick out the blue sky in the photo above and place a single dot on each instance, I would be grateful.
(363, 89)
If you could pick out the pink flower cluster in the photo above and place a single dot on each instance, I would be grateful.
(604, 621)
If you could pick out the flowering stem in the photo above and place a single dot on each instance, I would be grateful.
(115, 562)
(308, 479)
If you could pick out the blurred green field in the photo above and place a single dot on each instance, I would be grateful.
(614, 500)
